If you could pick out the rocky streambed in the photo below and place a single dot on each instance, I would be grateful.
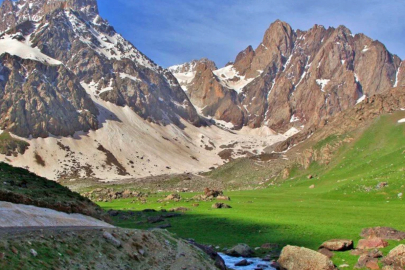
(237, 263)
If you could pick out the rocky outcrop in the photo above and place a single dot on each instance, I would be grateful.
(296, 78)
(39, 99)
(89, 51)
(385, 233)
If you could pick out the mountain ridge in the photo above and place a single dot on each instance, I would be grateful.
(295, 77)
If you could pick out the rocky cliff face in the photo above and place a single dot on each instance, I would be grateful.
(89, 50)
(296, 78)
(39, 99)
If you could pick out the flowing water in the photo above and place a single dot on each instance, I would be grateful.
(230, 263)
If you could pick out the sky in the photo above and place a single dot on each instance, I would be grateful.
(176, 31)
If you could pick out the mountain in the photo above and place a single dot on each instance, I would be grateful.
(86, 49)
(80, 101)
(296, 78)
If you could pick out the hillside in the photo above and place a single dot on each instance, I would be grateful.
(330, 186)
(23, 187)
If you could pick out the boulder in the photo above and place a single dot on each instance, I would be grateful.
(312, 186)
(372, 243)
(223, 198)
(173, 197)
(243, 262)
(299, 258)
(369, 259)
(338, 245)
(396, 257)
(155, 219)
(385, 233)
(240, 250)
(220, 206)
(212, 193)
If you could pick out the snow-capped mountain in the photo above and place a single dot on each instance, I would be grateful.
(89, 104)
(295, 78)
(72, 33)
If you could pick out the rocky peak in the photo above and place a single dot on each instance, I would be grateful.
(13, 13)
(244, 59)
(279, 35)
(193, 65)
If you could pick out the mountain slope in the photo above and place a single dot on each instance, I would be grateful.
(296, 78)
(72, 34)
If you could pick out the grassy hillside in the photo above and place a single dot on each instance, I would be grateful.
(347, 197)
(18, 185)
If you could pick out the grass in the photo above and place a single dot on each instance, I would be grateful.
(344, 201)
(11, 146)
(18, 185)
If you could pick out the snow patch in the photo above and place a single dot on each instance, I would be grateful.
(17, 48)
(322, 83)
(227, 75)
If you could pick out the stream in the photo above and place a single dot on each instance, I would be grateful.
(230, 263)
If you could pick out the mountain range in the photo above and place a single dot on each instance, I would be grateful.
(91, 105)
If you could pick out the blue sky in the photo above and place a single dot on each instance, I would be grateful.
(176, 31)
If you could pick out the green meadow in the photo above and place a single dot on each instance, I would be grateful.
(346, 199)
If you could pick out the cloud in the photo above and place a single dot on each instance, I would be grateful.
(176, 31)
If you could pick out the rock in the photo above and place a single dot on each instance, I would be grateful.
(240, 250)
(370, 259)
(338, 245)
(171, 215)
(164, 226)
(173, 197)
(2, 255)
(179, 209)
(223, 198)
(312, 186)
(33, 252)
(212, 193)
(155, 219)
(113, 213)
(396, 257)
(373, 264)
(111, 239)
(275, 265)
(372, 243)
(299, 258)
(385, 233)
(196, 204)
(310, 176)
(269, 246)
(220, 206)
(326, 252)
(243, 262)
(14, 250)
(382, 185)
(149, 210)
(345, 265)
(219, 262)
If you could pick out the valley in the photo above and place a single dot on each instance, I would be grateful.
(291, 155)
